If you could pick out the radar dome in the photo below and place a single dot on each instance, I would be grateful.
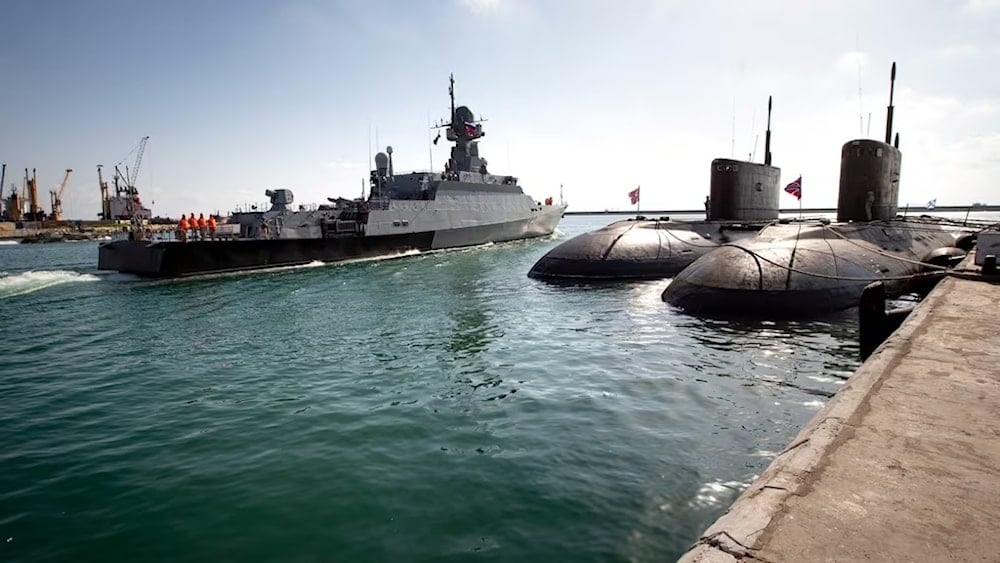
(464, 114)
(381, 162)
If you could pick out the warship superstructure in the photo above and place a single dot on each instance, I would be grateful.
(465, 205)
(743, 198)
(796, 268)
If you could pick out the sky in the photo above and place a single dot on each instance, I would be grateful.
(598, 97)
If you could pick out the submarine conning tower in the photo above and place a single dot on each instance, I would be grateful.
(869, 174)
(743, 190)
(869, 181)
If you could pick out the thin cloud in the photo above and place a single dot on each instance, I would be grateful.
(343, 164)
(981, 6)
(954, 52)
(480, 6)
(849, 61)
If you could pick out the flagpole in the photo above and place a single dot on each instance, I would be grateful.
(638, 199)
(800, 197)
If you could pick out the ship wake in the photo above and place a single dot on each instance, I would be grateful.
(12, 285)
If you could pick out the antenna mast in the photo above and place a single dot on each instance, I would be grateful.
(861, 109)
(430, 151)
(732, 151)
(767, 136)
(888, 121)
(451, 94)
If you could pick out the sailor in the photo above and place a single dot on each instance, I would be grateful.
(708, 206)
(211, 226)
(182, 228)
(202, 225)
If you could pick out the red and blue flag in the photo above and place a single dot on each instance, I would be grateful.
(795, 188)
(634, 196)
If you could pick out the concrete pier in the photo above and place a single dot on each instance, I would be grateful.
(903, 464)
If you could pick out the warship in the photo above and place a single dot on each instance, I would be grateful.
(462, 206)
(743, 198)
(796, 268)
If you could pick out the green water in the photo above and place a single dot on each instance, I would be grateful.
(435, 407)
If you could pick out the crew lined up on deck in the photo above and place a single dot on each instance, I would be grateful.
(199, 227)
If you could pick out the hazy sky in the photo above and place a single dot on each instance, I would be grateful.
(241, 96)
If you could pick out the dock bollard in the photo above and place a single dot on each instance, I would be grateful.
(990, 265)
(874, 323)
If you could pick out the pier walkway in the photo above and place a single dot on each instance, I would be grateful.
(902, 465)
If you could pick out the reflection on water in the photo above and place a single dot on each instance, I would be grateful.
(430, 407)
(788, 353)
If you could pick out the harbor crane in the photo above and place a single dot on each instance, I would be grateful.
(129, 178)
(31, 185)
(105, 197)
(56, 196)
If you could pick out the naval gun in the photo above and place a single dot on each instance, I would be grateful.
(281, 199)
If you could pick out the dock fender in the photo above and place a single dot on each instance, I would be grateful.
(966, 241)
(945, 256)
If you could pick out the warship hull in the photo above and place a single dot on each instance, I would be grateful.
(171, 258)
(462, 206)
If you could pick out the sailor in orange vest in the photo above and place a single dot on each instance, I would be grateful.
(211, 226)
(182, 228)
(193, 225)
(202, 225)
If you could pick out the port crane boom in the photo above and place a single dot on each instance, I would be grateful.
(56, 196)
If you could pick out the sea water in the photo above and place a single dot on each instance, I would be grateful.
(435, 406)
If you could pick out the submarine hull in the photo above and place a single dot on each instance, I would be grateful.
(796, 270)
(636, 249)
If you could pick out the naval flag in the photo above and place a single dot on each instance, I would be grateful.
(932, 204)
(795, 188)
(634, 196)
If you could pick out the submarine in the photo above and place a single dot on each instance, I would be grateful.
(808, 267)
(743, 198)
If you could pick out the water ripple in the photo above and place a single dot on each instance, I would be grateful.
(437, 406)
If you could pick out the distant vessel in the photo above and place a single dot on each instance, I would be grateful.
(798, 268)
(743, 199)
(463, 206)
